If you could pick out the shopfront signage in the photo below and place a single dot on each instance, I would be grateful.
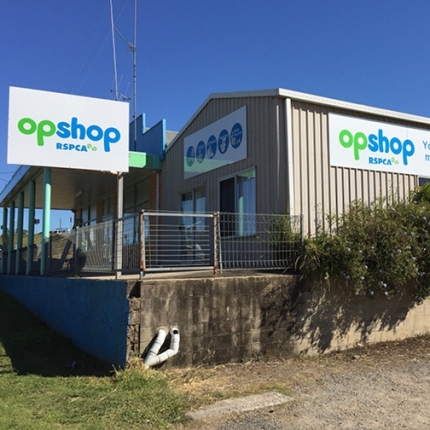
(374, 145)
(60, 130)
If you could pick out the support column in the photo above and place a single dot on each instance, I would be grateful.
(11, 235)
(30, 228)
(119, 224)
(4, 241)
(46, 220)
(19, 229)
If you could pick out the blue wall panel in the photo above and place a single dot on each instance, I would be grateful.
(92, 313)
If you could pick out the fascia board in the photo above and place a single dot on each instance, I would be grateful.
(294, 95)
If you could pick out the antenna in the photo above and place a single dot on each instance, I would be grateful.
(134, 74)
(114, 51)
(132, 47)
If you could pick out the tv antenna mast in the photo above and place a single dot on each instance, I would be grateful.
(132, 48)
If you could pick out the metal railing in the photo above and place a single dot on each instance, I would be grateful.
(259, 241)
(170, 241)
(177, 241)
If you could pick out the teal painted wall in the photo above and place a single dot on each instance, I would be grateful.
(92, 313)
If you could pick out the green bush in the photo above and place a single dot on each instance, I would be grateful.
(379, 248)
(285, 240)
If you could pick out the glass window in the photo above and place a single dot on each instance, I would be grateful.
(85, 216)
(422, 181)
(194, 202)
(93, 214)
(107, 208)
(136, 197)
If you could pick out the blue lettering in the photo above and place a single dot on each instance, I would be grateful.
(396, 145)
(383, 140)
(373, 142)
(376, 160)
(408, 150)
(94, 133)
(71, 147)
(63, 130)
(108, 139)
(75, 126)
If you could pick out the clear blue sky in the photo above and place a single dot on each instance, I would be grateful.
(367, 51)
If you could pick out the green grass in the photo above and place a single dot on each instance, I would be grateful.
(41, 388)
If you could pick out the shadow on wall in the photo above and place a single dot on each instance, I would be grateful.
(30, 347)
(324, 319)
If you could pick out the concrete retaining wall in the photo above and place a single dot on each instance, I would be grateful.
(328, 319)
(220, 320)
(232, 319)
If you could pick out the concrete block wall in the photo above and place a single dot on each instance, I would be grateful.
(220, 319)
(329, 319)
(232, 319)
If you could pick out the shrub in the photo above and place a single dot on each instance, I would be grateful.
(285, 238)
(383, 247)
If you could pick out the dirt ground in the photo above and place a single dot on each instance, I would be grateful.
(382, 386)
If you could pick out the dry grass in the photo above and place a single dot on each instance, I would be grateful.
(205, 385)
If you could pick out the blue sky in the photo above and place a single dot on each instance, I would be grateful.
(369, 52)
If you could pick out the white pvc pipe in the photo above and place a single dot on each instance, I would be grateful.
(152, 358)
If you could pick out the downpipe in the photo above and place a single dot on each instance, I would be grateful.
(152, 358)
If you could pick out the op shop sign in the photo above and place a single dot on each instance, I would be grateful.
(60, 130)
(372, 145)
(220, 143)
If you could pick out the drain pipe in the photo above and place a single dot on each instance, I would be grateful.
(152, 359)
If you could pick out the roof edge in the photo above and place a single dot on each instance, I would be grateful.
(295, 95)
(13, 182)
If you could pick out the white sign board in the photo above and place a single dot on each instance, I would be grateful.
(220, 143)
(60, 130)
(374, 145)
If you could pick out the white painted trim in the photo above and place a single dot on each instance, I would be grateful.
(294, 95)
(289, 139)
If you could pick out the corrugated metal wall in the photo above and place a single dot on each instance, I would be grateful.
(320, 189)
(266, 152)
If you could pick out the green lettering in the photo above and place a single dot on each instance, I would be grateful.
(45, 128)
(27, 126)
(360, 143)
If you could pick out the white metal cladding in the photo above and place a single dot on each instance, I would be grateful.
(266, 153)
(320, 189)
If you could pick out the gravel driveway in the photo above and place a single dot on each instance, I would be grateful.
(385, 386)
